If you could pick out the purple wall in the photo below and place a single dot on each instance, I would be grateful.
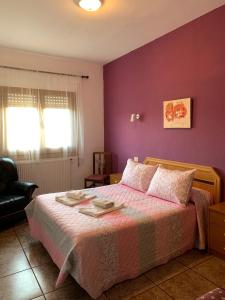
(188, 62)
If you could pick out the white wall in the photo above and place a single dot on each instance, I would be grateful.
(92, 96)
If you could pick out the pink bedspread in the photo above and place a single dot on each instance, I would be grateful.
(99, 252)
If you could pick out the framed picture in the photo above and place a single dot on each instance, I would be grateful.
(177, 113)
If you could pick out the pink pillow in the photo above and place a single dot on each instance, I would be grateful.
(137, 175)
(171, 185)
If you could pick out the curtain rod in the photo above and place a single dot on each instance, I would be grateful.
(45, 72)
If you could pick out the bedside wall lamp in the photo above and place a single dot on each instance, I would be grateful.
(135, 117)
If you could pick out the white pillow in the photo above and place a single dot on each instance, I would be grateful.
(137, 175)
(172, 185)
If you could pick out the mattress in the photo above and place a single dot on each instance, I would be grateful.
(99, 252)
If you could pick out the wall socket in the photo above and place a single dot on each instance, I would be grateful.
(136, 158)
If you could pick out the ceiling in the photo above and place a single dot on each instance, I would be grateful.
(58, 27)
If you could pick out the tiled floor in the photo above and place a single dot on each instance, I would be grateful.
(27, 272)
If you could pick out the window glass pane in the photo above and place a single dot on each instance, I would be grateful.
(57, 123)
(22, 128)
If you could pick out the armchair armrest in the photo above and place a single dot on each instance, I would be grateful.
(23, 188)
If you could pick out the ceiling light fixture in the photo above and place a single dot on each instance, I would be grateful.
(90, 5)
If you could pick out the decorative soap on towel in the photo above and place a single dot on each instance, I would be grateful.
(75, 194)
(103, 203)
(73, 198)
(96, 211)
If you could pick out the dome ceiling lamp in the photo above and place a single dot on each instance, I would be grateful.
(89, 5)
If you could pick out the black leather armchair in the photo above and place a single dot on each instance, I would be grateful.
(14, 195)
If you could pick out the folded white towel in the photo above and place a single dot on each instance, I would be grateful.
(76, 195)
(103, 203)
(72, 202)
(96, 212)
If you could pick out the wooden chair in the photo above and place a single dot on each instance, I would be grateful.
(102, 167)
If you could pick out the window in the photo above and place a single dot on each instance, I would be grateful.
(38, 121)
(22, 129)
(57, 125)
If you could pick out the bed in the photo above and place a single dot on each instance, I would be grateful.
(148, 231)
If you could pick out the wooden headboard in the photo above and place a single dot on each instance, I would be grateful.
(205, 177)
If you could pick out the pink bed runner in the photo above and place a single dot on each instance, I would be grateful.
(99, 252)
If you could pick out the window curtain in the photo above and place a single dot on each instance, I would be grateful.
(36, 94)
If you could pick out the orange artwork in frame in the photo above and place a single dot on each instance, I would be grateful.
(177, 113)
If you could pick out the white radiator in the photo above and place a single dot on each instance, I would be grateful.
(50, 175)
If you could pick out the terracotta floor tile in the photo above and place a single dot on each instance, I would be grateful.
(193, 257)
(8, 243)
(6, 253)
(19, 286)
(103, 297)
(23, 233)
(13, 262)
(214, 270)
(37, 255)
(72, 292)
(47, 275)
(187, 286)
(129, 288)
(87, 297)
(154, 293)
(164, 272)
(20, 222)
(6, 231)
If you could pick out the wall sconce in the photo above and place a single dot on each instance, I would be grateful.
(135, 117)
